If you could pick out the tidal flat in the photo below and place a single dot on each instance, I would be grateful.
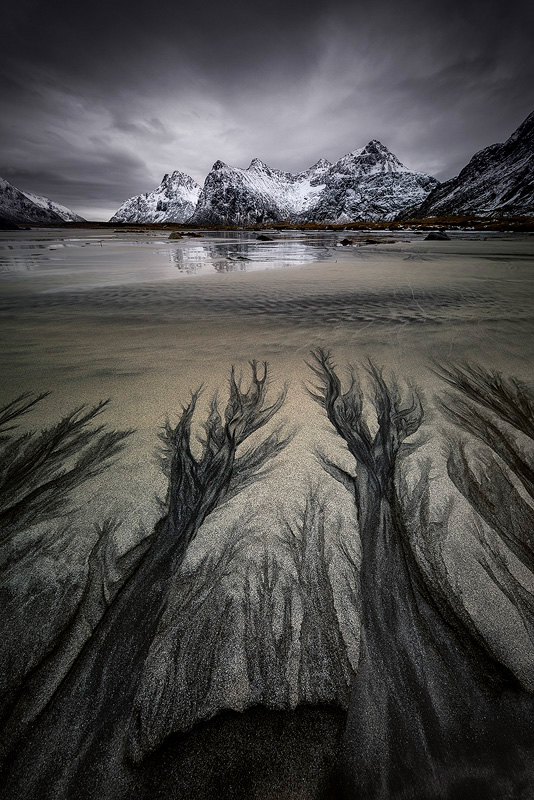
(145, 321)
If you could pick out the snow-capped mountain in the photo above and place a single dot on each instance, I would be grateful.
(17, 206)
(258, 193)
(49, 205)
(369, 183)
(174, 200)
(497, 180)
(373, 159)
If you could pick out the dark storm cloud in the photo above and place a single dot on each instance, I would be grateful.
(98, 103)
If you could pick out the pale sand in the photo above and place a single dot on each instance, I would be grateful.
(147, 345)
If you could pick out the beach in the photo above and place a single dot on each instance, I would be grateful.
(145, 323)
(146, 343)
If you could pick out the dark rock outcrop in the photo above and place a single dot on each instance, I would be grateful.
(437, 236)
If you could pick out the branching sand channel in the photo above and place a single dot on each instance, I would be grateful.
(269, 533)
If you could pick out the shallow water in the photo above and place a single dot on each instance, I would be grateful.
(94, 258)
(102, 258)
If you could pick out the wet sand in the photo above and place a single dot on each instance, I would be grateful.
(147, 344)
(146, 340)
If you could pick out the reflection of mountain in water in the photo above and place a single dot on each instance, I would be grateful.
(13, 260)
(18, 264)
(243, 256)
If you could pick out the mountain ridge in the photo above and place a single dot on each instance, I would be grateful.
(369, 183)
(499, 179)
(18, 206)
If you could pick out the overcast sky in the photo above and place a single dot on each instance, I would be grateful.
(100, 99)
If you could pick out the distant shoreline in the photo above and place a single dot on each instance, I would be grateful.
(519, 224)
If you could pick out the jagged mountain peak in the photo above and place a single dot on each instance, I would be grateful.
(375, 157)
(378, 150)
(174, 177)
(316, 170)
(174, 200)
(264, 171)
(175, 180)
(258, 165)
(323, 163)
(373, 146)
(376, 146)
(219, 165)
(316, 174)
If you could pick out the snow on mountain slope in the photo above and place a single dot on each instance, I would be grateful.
(17, 206)
(174, 200)
(49, 205)
(497, 180)
(373, 159)
(369, 183)
(258, 194)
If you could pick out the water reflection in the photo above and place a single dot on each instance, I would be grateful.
(82, 258)
(20, 263)
(243, 255)
(216, 252)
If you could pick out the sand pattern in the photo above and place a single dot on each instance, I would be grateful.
(310, 578)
